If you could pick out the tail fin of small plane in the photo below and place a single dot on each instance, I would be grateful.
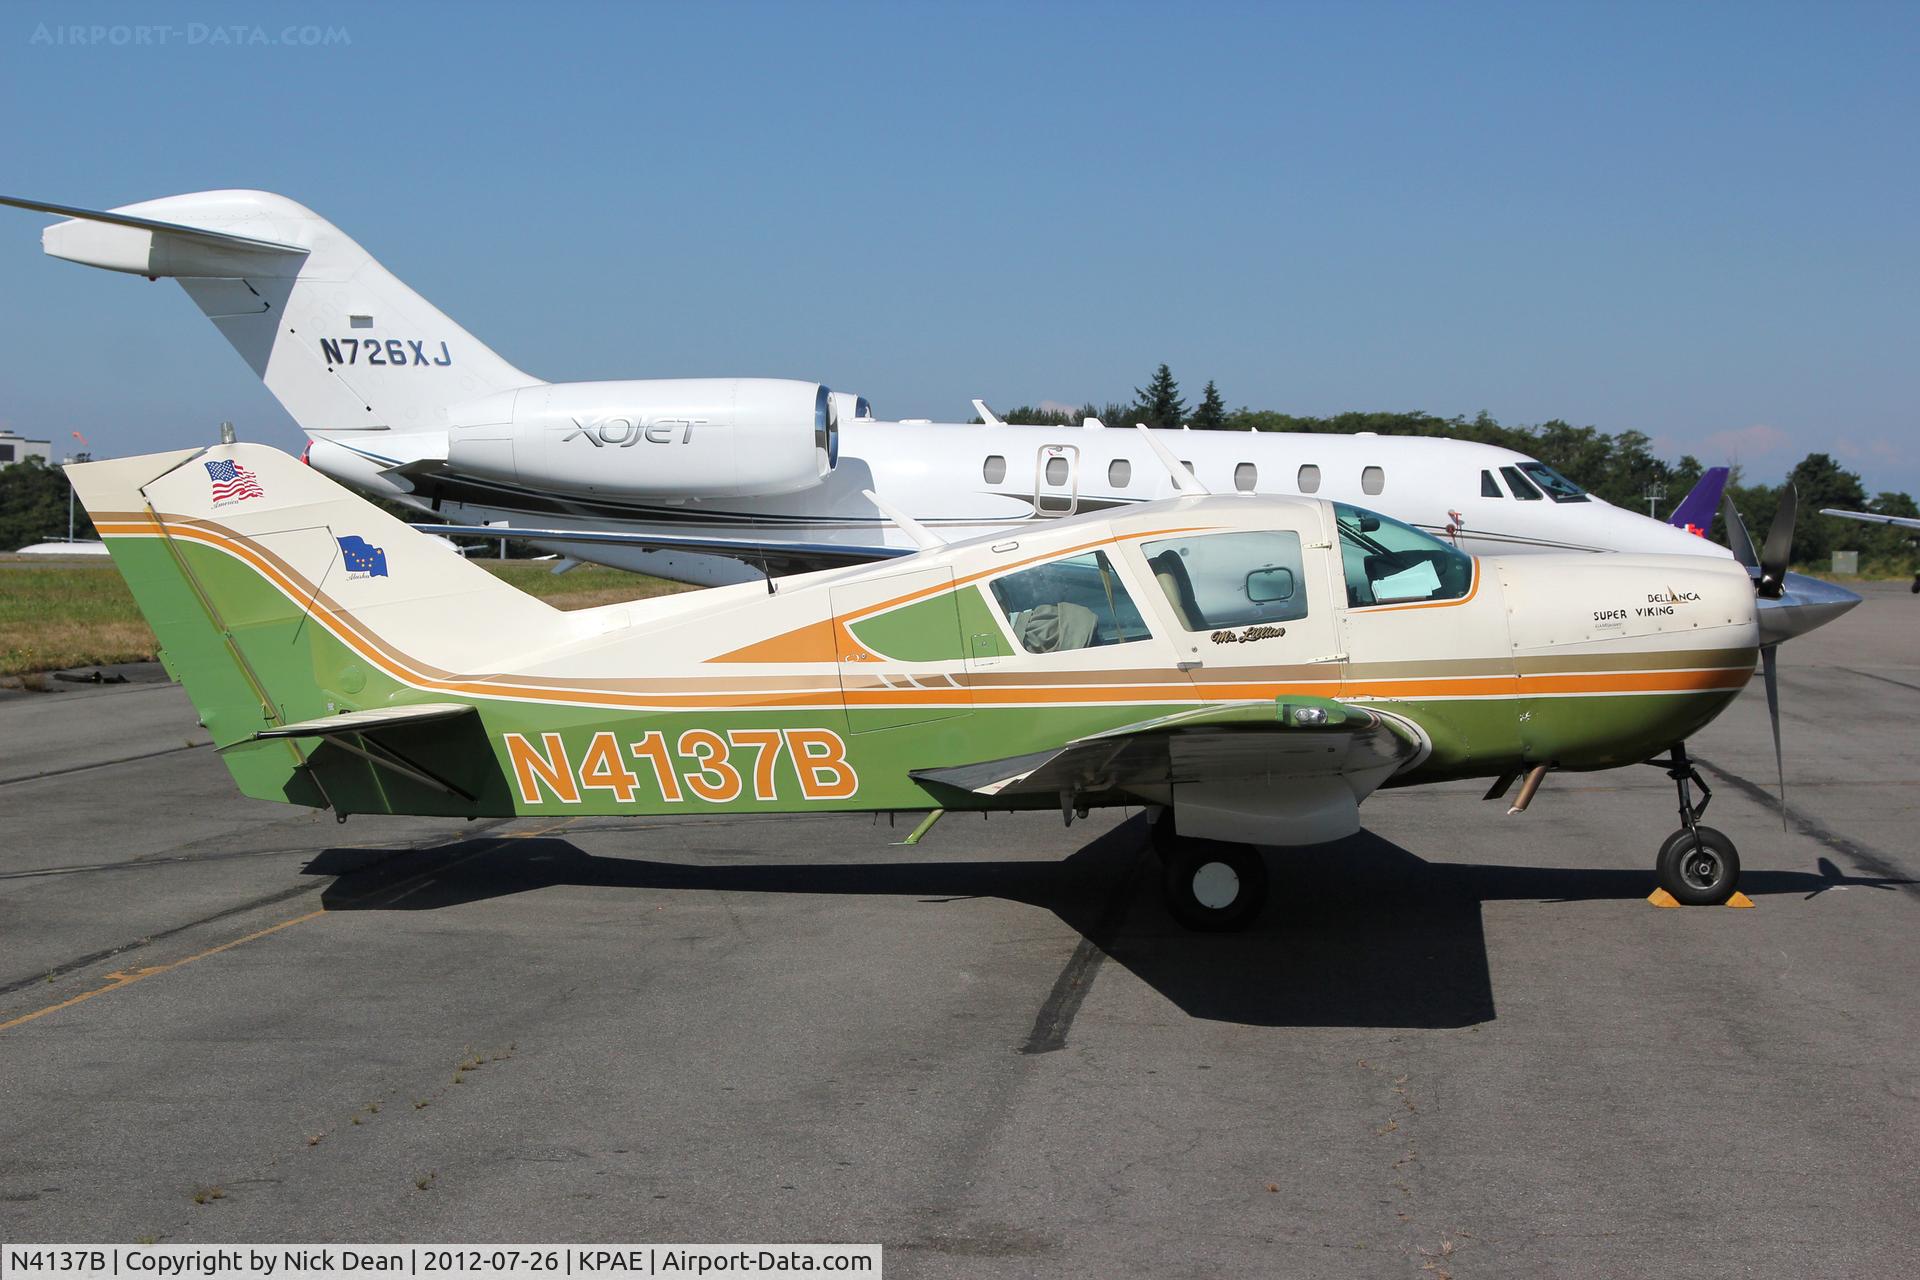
(280, 599)
(1696, 511)
(343, 345)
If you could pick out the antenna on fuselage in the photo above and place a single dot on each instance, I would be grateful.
(1183, 479)
(923, 537)
(986, 414)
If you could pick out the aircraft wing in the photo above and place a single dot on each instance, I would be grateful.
(1304, 742)
(788, 555)
(1873, 517)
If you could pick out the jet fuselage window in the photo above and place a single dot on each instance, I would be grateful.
(1245, 477)
(1077, 603)
(1309, 479)
(1489, 487)
(1522, 487)
(1119, 473)
(1218, 580)
(1056, 470)
(1372, 480)
(1558, 487)
(994, 470)
(1386, 562)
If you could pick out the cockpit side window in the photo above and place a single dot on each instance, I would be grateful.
(1386, 562)
(1522, 487)
(1489, 487)
(1076, 603)
(1218, 580)
(1558, 487)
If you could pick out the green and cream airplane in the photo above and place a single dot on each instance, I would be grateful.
(1249, 667)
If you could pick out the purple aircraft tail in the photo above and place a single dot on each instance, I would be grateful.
(1696, 511)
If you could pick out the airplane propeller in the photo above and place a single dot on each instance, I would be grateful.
(1770, 570)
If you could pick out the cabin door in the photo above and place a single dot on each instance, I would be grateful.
(1056, 480)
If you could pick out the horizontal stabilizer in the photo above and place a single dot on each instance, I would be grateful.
(352, 722)
(197, 235)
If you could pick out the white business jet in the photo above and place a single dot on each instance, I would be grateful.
(715, 481)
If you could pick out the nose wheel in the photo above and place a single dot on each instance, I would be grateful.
(1212, 886)
(1697, 864)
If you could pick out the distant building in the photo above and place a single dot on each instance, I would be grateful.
(17, 448)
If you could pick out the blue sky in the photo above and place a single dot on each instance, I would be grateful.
(1694, 220)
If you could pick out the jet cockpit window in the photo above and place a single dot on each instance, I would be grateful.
(1077, 603)
(1387, 562)
(1522, 487)
(1558, 487)
(1489, 487)
(1219, 580)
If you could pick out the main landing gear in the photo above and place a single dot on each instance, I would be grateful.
(1697, 865)
(1211, 885)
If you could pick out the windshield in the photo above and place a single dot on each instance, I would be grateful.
(1387, 562)
(1558, 487)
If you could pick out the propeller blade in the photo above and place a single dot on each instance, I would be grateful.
(1773, 560)
(1770, 672)
(1739, 541)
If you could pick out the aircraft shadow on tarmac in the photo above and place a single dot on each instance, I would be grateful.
(1358, 933)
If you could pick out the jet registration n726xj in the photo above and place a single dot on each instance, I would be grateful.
(1254, 667)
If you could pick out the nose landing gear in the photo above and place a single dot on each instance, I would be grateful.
(1697, 865)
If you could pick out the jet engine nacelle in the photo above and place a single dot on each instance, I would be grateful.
(660, 438)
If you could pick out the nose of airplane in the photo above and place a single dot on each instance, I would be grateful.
(1804, 604)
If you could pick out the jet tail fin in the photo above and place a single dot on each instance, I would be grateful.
(1696, 511)
(343, 344)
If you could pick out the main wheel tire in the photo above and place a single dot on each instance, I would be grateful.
(1700, 868)
(1213, 886)
(1162, 838)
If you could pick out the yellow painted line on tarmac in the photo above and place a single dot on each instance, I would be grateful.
(126, 978)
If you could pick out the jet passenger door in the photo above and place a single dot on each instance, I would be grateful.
(1056, 480)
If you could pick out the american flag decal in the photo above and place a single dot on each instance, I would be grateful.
(233, 482)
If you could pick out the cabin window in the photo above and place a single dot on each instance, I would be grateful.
(1218, 580)
(1386, 562)
(1558, 487)
(1056, 470)
(1372, 480)
(1077, 603)
(1309, 478)
(1522, 487)
(1119, 473)
(1245, 477)
(1489, 487)
(995, 469)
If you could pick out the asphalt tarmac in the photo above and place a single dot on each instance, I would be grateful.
(1460, 1044)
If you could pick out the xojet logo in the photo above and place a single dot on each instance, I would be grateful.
(624, 433)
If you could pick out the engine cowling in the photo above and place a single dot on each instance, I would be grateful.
(659, 438)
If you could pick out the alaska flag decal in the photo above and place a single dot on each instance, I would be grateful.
(363, 559)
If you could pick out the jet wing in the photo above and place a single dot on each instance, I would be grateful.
(1873, 517)
(1291, 741)
(788, 555)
